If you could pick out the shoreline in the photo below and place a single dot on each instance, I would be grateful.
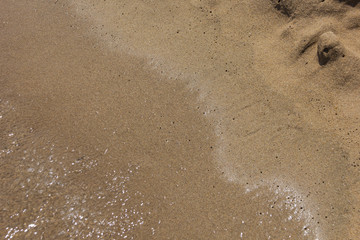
(188, 110)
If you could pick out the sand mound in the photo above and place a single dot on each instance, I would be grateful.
(324, 30)
(329, 48)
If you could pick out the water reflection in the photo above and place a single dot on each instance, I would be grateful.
(60, 191)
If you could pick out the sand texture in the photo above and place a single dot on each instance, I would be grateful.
(196, 119)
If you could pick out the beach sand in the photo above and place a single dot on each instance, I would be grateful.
(198, 119)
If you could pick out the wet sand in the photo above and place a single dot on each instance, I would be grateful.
(190, 120)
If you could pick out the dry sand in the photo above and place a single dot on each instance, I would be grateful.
(197, 119)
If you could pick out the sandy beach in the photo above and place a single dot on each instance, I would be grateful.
(196, 119)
